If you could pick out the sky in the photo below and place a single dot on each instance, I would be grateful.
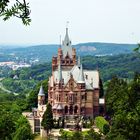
(114, 21)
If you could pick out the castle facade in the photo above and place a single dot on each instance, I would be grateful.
(72, 90)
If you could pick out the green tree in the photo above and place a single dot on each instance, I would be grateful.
(47, 121)
(126, 110)
(7, 125)
(19, 9)
(23, 130)
(101, 88)
(102, 124)
(137, 49)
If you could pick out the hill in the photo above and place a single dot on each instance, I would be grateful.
(44, 53)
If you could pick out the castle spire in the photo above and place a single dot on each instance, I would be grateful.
(66, 46)
(81, 75)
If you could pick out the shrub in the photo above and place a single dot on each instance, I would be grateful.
(102, 124)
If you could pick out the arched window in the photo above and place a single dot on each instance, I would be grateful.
(66, 109)
(75, 109)
(71, 110)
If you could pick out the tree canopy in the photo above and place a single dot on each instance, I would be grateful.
(123, 105)
(19, 9)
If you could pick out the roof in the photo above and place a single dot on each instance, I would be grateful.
(59, 107)
(66, 46)
(92, 80)
(41, 91)
(55, 106)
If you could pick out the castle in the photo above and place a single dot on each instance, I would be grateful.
(73, 91)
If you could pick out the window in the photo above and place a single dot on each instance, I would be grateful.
(66, 109)
(85, 96)
(75, 109)
(71, 110)
(82, 97)
(82, 109)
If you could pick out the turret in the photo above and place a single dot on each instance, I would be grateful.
(41, 96)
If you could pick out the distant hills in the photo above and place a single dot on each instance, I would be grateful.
(45, 52)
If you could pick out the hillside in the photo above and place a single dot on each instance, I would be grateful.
(123, 65)
(45, 52)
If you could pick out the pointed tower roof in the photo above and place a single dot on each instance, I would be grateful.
(41, 91)
(59, 73)
(81, 75)
(66, 46)
(67, 36)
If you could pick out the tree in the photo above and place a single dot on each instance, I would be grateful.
(7, 125)
(47, 121)
(137, 49)
(19, 10)
(101, 88)
(23, 130)
(126, 109)
(102, 124)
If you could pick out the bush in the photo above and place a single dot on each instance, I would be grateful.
(102, 124)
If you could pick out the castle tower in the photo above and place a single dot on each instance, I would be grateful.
(41, 97)
(66, 54)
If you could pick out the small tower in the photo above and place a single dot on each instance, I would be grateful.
(41, 96)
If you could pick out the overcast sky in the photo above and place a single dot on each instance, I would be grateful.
(116, 21)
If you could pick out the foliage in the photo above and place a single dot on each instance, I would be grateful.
(74, 135)
(124, 101)
(19, 9)
(102, 124)
(27, 78)
(23, 130)
(101, 88)
(7, 125)
(123, 65)
(137, 49)
(12, 124)
(47, 121)
(32, 99)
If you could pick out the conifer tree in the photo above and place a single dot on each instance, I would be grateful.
(101, 88)
(47, 121)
